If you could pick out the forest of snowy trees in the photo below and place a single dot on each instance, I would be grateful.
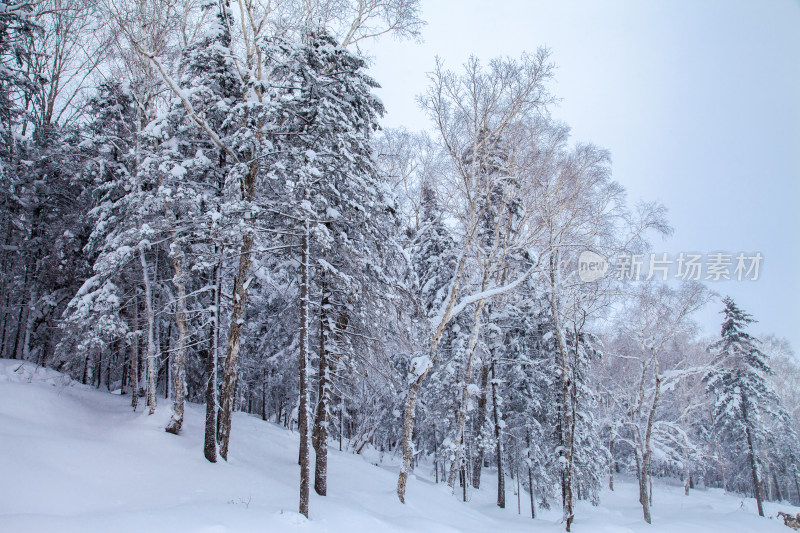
(199, 205)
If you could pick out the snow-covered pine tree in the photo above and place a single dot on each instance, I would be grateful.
(42, 194)
(532, 401)
(245, 139)
(191, 185)
(433, 256)
(125, 243)
(433, 253)
(743, 396)
(97, 315)
(336, 200)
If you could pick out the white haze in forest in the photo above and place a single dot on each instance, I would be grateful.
(202, 220)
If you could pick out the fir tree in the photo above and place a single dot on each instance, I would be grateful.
(738, 381)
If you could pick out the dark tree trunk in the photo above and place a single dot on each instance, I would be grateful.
(124, 379)
(321, 421)
(778, 495)
(151, 343)
(341, 420)
(15, 351)
(751, 455)
(498, 435)
(611, 465)
(111, 358)
(135, 356)
(210, 443)
(530, 473)
(477, 465)
(303, 414)
(435, 454)
(228, 394)
(240, 286)
(97, 374)
(168, 359)
(264, 398)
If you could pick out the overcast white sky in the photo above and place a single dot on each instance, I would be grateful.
(698, 102)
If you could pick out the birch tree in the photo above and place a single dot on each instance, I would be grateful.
(470, 111)
(658, 315)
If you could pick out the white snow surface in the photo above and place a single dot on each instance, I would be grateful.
(75, 459)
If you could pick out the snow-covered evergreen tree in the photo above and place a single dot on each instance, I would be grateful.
(743, 396)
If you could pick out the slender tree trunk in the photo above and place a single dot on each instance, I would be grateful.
(4, 268)
(479, 421)
(241, 284)
(721, 467)
(264, 398)
(87, 370)
(463, 470)
(530, 473)
(416, 383)
(796, 487)
(19, 332)
(227, 397)
(134, 374)
(644, 498)
(151, 344)
(6, 305)
(169, 361)
(796, 480)
(645, 482)
(124, 363)
(210, 442)
(566, 423)
(778, 495)
(341, 420)
(498, 435)
(687, 472)
(435, 454)
(320, 439)
(29, 321)
(462, 410)
(303, 411)
(109, 363)
(645, 494)
(641, 470)
(98, 369)
(611, 466)
(179, 360)
(408, 431)
(751, 456)
(566, 444)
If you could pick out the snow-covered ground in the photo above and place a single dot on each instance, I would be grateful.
(76, 459)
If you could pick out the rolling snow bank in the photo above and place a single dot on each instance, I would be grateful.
(73, 458)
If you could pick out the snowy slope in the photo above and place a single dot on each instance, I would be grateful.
(76, 459)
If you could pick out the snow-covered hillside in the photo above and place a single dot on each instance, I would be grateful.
(76, 459)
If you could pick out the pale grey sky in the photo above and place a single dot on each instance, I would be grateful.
(698, 102)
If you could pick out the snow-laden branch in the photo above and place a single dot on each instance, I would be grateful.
(188, 105)
(489, 293)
